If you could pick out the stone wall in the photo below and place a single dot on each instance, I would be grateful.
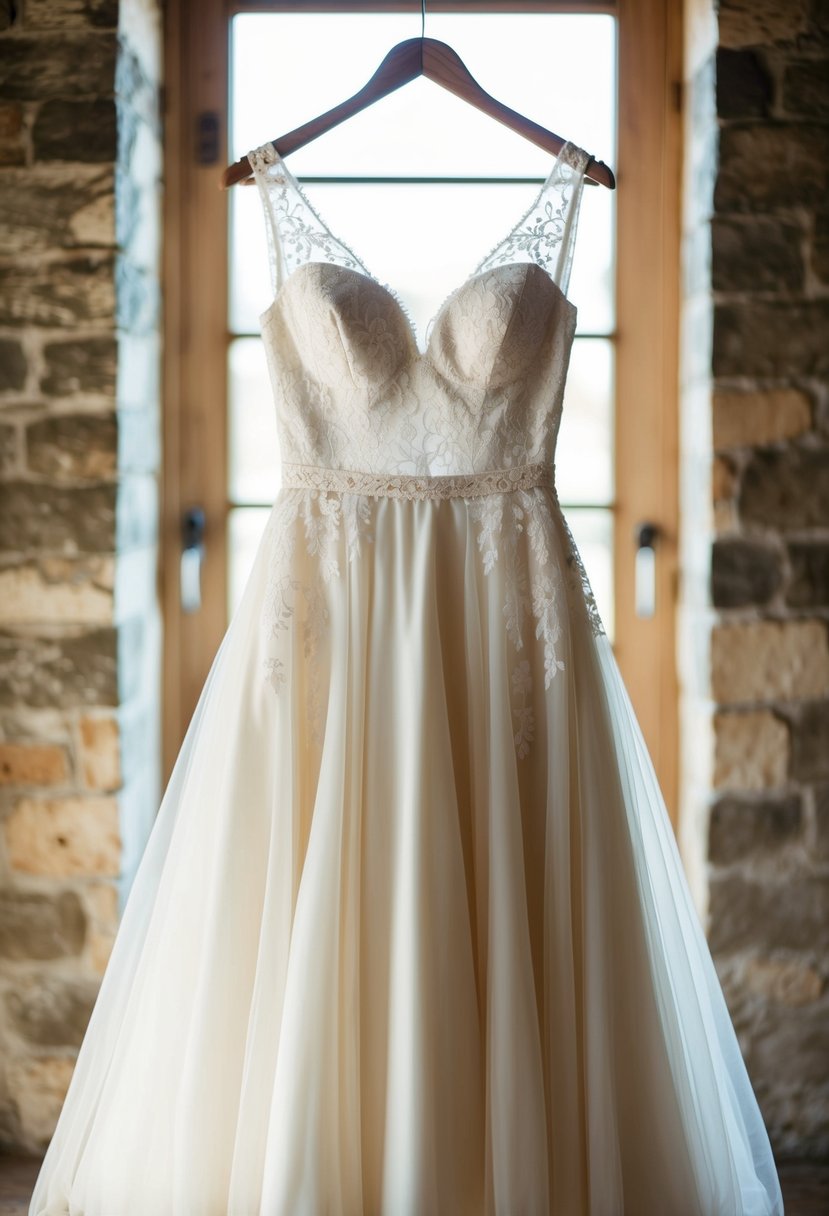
(79, 449)
(754, 646)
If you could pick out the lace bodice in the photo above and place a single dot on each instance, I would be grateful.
(352, 388)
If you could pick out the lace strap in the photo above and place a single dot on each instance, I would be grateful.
(296, 233)
(546, 232)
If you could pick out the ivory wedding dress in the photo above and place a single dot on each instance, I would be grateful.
(411, 935)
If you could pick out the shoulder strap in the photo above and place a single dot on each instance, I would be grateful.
(546, 232)
(296, 232)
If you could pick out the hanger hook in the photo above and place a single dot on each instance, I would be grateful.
(423, 18)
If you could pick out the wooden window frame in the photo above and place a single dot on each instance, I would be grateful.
(646, 340)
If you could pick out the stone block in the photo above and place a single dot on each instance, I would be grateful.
(12, 365)
(756, 253)
(87, 365)
(9, 449)
(749, 914)
(763, 22)
(64, 836)
(102, 905)
(100, 752)
(794, 1097)
(33, 764)
(751, 751)
(37, 925)
(48, 207)
(71, 14)
(769, 660)
(51, 1010)
(809, 585)
(806, 88)
(58, 591)
(786, 489)
(67, 66)
(739, 828)
(725, 517)
(74, 446)
(57, 519)
(786, 981)
(810, 743)
(744, 88)
(69, 292)
(743, 572)
(76, 130)
(12, 151)
(820, 246)
(101, 941)
(724, 479)
(38, 1086)
(763, 166)
(771, 338)
(744, 419)
(821, 838)
(59, 672)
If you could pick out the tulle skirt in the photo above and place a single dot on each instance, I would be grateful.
(411, 935)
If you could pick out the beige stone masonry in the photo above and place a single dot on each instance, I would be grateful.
(57, 590)
(38, 1085)
(789, 982)
(751, 418)
(723, 479)
(101, 900)
(33, 764)
(751, 751)
(767, 660)
(100, 753)
(64, 836)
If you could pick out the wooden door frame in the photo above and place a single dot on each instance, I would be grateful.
(648, 232)
(646, 346)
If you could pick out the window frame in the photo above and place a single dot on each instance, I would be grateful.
(645, 340)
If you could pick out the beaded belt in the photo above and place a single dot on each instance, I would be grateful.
(415, 485)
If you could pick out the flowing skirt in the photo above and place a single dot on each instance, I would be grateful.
(411, 935)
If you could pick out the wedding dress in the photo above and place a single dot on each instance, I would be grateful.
(411, 935)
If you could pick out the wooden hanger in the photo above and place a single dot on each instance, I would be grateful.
(407, 60)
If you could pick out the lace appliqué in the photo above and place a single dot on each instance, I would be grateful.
(577, 578)
(324, 517)
(541, 599)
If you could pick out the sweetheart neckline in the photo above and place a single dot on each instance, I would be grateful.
(391, 292)
(392, 295)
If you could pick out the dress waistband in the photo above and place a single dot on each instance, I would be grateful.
(416, 485)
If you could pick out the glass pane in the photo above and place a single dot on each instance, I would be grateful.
(253, 450)
(245, 528)
(424, 240)
(250, 280)
(593, 534)
(533, 62)
(584, 455)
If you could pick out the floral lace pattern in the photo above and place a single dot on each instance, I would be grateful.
(541, 235)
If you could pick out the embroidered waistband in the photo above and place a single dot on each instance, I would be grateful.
(415, 485)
